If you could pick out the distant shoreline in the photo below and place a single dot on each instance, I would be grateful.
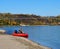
(29, 25)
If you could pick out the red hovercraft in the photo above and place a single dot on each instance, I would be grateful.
(20, 34)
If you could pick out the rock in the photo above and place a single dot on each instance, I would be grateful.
(13, 42)
(2, 31)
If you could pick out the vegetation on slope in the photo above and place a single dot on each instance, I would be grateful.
(26, 19)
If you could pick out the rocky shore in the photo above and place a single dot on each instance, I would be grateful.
(13, 42)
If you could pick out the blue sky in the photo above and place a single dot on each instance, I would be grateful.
(37, 7)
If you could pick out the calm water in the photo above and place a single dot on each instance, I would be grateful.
(45, 35)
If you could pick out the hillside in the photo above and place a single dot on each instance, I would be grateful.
(26, 19)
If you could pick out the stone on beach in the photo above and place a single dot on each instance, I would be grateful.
(2, 31)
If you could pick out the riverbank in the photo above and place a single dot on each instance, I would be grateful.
(12, 42)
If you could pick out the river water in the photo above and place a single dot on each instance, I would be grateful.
(45, 35)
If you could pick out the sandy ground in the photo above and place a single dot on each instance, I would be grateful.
(12, 42)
